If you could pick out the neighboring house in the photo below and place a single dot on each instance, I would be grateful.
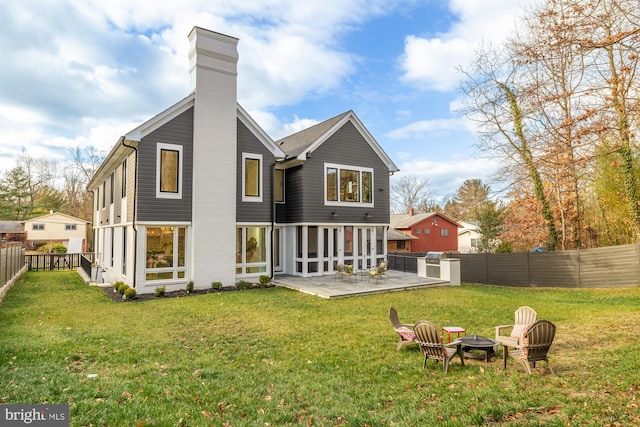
(433, 231)
(201, 193)
(468, 237)
(399, 242)
(12, 232)
(57, 228)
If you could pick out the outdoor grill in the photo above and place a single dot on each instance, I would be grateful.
(432, 261)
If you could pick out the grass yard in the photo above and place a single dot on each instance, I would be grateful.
(274, 357)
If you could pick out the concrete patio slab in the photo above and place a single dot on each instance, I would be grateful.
(331, 286)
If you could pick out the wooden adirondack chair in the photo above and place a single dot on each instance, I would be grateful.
(432, 347)
(535, 345)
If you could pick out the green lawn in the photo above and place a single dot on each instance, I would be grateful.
(274, 357)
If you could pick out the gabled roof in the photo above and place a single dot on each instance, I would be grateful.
(400, 221)
(300, 144)
(125, 143)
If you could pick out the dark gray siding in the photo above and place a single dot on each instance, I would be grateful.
(292, 209)
(149, 208)
(254, 211)
(346, 147)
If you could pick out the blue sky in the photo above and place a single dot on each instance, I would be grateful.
(78, 72)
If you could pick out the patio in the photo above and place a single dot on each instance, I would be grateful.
(330, 286)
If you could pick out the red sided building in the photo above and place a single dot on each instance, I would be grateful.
(433, 231)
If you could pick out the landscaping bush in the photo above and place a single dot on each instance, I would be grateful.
(264, 280)
(129, 293)
(189, 288)
(216, 285)
(120, 287)
(159, 291)
(53, 248)
(243, 284)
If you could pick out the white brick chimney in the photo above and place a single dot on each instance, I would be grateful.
(213, 73)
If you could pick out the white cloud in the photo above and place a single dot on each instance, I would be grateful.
(445, 176)
(431, 63)
(421, 128)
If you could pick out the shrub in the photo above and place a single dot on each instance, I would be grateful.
(216, 285)
(243, 284)
(264, 279)
(190, 286)
(130, 293)
(120, 287)
(159, 291)
(53, 248)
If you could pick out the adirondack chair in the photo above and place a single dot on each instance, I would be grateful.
(404, 330)
(523, 317)
(432, 347)
(535, 345)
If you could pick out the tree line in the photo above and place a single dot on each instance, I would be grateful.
(36, 186)
(557, 104)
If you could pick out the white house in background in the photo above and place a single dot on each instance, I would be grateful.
(468, 236)
(57, 228)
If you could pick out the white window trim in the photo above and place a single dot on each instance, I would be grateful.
(172, 147)
(174, 269)
(353, 168)
(246, 198)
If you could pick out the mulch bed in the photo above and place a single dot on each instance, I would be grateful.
(108, 291)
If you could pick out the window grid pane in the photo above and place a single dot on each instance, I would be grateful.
(169, 164)
(332, 184)
(252, 178)
(349, 188)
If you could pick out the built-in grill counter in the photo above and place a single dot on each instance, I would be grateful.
(436, 265)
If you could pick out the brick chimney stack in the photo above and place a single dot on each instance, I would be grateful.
(411, 212)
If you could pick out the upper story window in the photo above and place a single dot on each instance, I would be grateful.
(444, 232)
(416, 231)
(112, 184)
(251, 177)
(278, 185)
(37, 226)
(426, 231)
(349, 185)
(124, 179)
(70, 227)
(169, 171)
(104, 194)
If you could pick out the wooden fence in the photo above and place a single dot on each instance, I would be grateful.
(608, 267)
(11, 262)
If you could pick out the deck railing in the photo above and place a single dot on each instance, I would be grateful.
(50, 262)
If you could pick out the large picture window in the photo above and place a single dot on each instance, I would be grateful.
(169, 171)
(251, 250)
(251, 177)
(348, 185)
(166, 253)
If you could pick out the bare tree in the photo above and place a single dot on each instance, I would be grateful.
(411, 192)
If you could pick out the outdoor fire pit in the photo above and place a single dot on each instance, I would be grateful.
(477, 347)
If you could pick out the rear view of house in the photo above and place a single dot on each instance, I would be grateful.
(201, 193)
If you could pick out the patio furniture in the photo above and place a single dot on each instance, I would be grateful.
(523, 317)
(535, 345)
(404, 330)
(453, 330)
(473, 344)
(345, 270)
(379, 272)
(431, 345)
